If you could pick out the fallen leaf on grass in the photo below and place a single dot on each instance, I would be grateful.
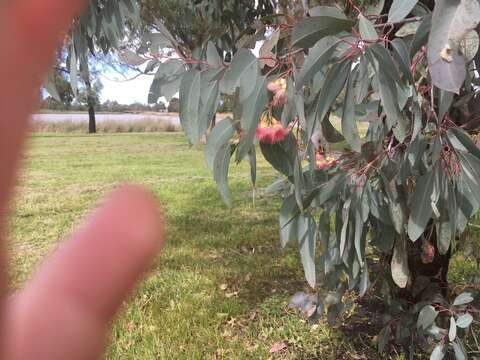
(279, 346)
(223, 287)
(232, 294)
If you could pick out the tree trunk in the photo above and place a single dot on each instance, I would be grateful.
(425, 262)
(92, 125)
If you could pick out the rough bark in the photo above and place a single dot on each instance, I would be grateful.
(92, 125)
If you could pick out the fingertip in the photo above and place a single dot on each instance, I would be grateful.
(139, 215)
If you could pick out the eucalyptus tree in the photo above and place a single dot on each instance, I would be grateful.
(100, 30)
(376, 211)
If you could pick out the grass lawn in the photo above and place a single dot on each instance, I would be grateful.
(221, 286)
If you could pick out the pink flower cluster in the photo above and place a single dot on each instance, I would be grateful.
(271, 132)
(325, 162)
(279, 88)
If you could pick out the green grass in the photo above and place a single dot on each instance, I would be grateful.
(221, 287)
(182, 310)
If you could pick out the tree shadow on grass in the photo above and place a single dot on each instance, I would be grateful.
(244, 244)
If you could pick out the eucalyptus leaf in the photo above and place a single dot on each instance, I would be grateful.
(400, 9)
(289, 220)
(465, 140)
(330, 11)
(213, 58)
(49, 85)
(220, 172)
(452, 21)
(384, 338)
(463, 299)
(445, 102)
(401, 55)
(421, 211)
(309, 30)
(266, 54)
(464, 320)
(336, 78)
(318, 57)
(452, 332)
(167, 80)
(438, 352)
(349, 124)
(190, 89)
(364, 282)
(421, 36)
(220, 135)
(252, 108)
(367, 30)
(306, 238)
(399, 264)
(73, 71)
(242, 72)
(459, 350)
(426, 317)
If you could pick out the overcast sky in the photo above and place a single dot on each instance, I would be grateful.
(126, 92)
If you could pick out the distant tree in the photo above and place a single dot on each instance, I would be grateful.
(174, 105)
(381, 212)
(160, 107)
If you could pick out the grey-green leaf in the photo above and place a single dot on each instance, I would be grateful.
(209, 98)
(384, 338)
(459, 350)
(49, 85)
(438, 353)
(220, 135)
(309, 30)
(463, 299)
(451, 22)
(364, 282)
(400, 9)
(189, 104)
(349, 124)
(317, 58)
(336, 78)
(289, 220)
(367, 30)
(220, 172)
(399, 264)
(452, 332)
(73, 70)
(306, 238)
(327, 11)
(213, 58)
(426, 317)
(252, 108)
(242, 72)
(402, 56)
(421, 36)
(421, 211)
(464, 320)
(465, 140)
(167, 80)
(445, 101)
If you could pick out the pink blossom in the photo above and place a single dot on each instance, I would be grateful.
(271, 133)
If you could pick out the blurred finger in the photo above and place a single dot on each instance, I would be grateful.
(64, 310)
(29, 33)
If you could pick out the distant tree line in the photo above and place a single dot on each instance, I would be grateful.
(49, 103)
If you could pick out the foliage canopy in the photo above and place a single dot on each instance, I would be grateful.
(392, 201)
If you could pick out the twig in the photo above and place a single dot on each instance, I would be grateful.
(475, 339)
(474, 226)
(404, 21)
